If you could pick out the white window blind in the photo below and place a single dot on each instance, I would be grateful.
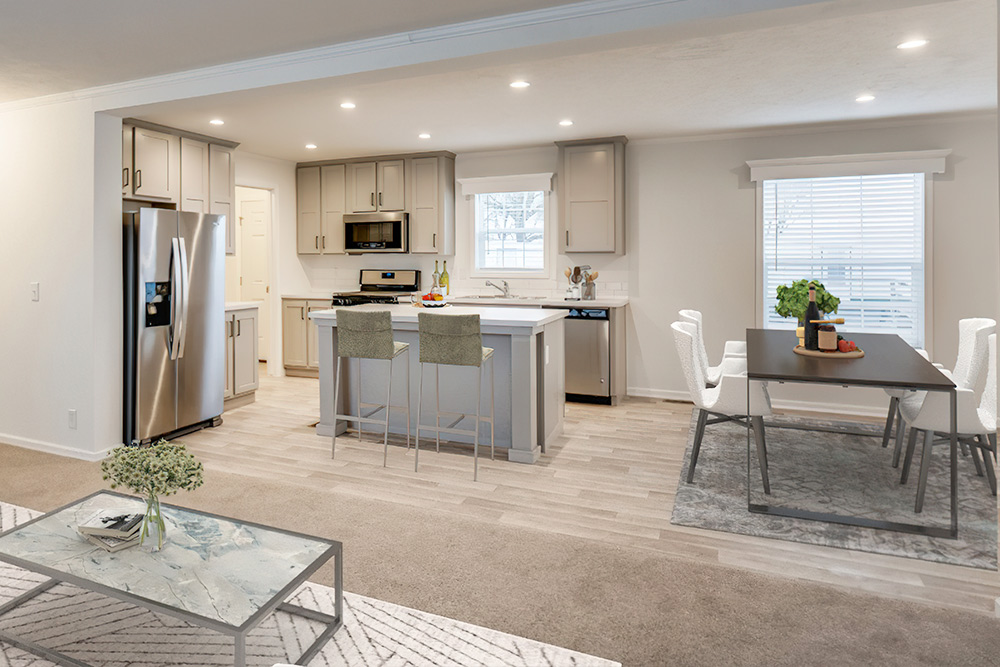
(861, 236)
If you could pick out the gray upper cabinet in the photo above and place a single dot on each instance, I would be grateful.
(332, 185)
(432, 205)
(127, 131)
(592, 195)
(391, 191)
(376, 186)
(156, 165)
(194, 176)
(222, 190)
(361, 189)
(308, 200)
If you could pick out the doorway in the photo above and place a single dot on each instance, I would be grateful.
(253, 210)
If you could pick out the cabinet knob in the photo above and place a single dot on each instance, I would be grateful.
(380, 199)
(434, 241)
(124, 177)
(373, 199)
(567, 237)
(138, 179)
(317, 243)
(324, 242)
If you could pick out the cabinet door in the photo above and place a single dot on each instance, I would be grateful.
(194, 177)
(230, 331)
(361, 187)
(333, 194)
(590, 198)
(425, 210)
(127, 160)
(157, 169)
(222, 190)
(308, 199)
(312, 338)
(245, 352)
(293, 333)
(391, 193)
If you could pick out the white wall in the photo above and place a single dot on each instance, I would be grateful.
(692, 241)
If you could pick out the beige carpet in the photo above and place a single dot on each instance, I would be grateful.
(633, 606)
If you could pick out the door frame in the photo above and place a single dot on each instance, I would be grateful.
(274, 367)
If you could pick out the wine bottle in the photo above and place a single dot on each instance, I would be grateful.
(812, 313)
(445, 281)
(436, 277)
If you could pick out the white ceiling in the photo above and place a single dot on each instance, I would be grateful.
(786, 67)
(52, 46)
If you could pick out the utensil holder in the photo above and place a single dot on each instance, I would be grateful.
(589, 291)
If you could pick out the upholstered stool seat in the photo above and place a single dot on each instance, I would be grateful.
(453, 340)
(366, 334)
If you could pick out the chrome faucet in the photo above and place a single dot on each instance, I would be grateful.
(505, 289)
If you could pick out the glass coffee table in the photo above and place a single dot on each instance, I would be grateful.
(214, 572)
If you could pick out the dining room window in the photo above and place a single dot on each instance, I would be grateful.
(862, 236)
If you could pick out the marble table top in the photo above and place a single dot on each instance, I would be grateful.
(218, 569)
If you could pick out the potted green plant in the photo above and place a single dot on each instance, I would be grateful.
(151, 471)
(794, 299)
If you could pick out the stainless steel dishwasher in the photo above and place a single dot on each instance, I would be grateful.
(588, 355)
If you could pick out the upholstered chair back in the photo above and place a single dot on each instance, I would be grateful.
(455, 340)
(364, 334)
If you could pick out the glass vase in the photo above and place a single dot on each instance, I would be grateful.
(151, 538)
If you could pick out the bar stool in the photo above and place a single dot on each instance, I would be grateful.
(368, 335)
(453, 340)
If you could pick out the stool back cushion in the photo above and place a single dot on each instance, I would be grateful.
(364, 334)
(455, 340)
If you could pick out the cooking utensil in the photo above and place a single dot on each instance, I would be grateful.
(577, 275)
(569, 275)
(593, 276)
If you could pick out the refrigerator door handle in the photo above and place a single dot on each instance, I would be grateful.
(182, 334)
(173, 337)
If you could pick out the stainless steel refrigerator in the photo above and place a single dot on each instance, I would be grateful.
(174, 275)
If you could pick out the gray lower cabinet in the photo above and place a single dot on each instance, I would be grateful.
(300, 343)
(242, 374)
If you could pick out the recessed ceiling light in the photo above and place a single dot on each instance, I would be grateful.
(864, 98)
(347, 105)
(566, 123)
(519, 84)
(311, 146)
(217, 121)
(424, 135)
(912, 44)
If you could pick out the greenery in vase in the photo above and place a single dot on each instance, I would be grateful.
(151, 471)
(794, 299)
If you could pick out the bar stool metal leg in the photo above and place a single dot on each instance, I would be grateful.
(437, 405)
(336, 404)
(360, 425)
(407, 399)
(388, 400)
(420, 403)
(475, 440)
(493, 379)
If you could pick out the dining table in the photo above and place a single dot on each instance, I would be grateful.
(889, 362)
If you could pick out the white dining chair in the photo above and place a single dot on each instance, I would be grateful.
(970, 365)
(977, 424)
(734, 355)
(727, 401)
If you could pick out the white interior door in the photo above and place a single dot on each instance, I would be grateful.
(255, 220)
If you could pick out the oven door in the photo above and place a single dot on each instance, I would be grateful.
(375, 232)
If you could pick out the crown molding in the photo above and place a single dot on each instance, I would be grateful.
(531, 28)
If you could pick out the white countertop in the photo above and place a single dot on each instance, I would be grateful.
(506, 317)
(546, 302)
(242, 305)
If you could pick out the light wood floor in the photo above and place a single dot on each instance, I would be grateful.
(611, 478)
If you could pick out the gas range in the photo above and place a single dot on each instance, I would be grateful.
(381, 286)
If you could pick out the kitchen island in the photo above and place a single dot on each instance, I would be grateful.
(529, 384)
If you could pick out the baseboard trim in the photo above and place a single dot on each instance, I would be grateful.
(806, 406)
(52, 448)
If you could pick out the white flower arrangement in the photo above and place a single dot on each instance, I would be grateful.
(160, 469)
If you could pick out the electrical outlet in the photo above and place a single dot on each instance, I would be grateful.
(34, 291)
(72, 419)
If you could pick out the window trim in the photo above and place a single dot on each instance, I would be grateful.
(539, 182)
(929, 162)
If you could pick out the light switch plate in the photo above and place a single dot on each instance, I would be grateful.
(72, 418)
(34, 291)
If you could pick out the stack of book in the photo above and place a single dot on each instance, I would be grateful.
(112, 530)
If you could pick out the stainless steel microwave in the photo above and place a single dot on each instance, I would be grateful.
(376, 232)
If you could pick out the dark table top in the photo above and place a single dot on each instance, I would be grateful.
(889, 361)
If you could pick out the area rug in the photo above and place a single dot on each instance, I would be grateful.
(105, 632)
(835, 470)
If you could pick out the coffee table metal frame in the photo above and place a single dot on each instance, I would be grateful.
(866, 341)
(239, 633)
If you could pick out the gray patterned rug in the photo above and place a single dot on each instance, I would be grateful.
(105, 632)
(840, 473)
